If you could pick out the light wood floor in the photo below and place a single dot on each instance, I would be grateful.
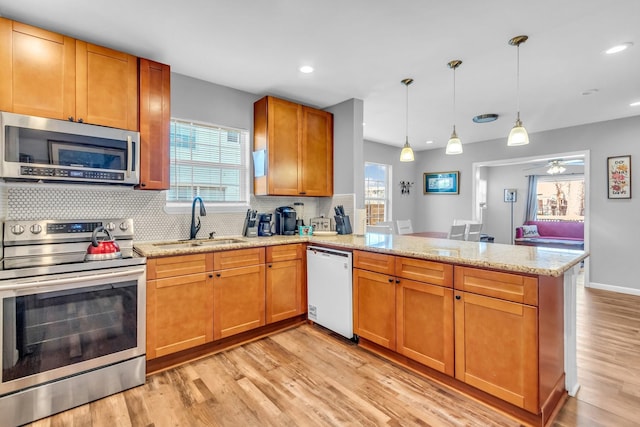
(308, 377)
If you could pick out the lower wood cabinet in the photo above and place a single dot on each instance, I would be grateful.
(410, 317)
(285, 283)
(497, 348)
(238, 292)
(179, 304)
(497, 335)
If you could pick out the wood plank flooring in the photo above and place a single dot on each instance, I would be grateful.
(309, 377)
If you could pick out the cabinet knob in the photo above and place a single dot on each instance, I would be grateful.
(269, 265)
(458, 297)
(217, 274)
(142, 184)
(70, 118)
(211, 276)
(80, 121)
(397, 280)
(390, 279)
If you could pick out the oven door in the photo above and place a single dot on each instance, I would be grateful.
(60, 325)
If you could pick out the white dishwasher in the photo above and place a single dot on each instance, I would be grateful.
(329, 289)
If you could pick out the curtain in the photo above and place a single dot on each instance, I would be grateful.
(531, 210)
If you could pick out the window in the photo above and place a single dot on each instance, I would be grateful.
(561, 198)
(377, 194)
(208, 161)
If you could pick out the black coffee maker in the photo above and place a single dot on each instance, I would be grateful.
(285, 220)
(264, 224)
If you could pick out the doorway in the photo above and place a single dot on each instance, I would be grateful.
(492, 178)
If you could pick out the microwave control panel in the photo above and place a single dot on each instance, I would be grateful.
(70, 173)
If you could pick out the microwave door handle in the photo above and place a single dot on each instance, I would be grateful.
(129, 157)
(71, 280)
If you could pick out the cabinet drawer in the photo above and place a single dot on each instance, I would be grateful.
(506, 286)
(238, 258)
(425, 271)
(284, 252)
(372, 261)
(159, 268)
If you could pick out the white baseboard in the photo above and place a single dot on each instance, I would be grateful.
(613, 288)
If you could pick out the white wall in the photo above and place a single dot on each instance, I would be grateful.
(612, 230)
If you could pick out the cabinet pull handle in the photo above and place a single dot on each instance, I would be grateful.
(303, 192)
(458, 297)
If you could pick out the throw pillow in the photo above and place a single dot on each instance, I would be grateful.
(530, 231)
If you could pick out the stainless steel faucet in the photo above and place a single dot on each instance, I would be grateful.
(203, 212)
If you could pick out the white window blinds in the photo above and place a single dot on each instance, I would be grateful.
(208, 161)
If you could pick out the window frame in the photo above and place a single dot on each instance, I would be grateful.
(180, 207)
(558, 178)
(388, 191)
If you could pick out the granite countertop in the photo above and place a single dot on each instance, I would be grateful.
(511, 258)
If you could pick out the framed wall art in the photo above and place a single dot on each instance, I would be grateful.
(619, 177)
(441, 182)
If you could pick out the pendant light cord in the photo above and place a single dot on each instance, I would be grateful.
(518, 80)
(407, 116)
(454, 99)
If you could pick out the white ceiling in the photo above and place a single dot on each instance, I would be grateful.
(364, 48)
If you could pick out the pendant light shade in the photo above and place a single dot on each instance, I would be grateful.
(407, 153)
(518, 135)
(454, 146)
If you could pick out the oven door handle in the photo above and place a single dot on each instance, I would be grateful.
(129, 156)
(76, 279)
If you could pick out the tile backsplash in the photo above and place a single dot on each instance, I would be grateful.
(151, 222)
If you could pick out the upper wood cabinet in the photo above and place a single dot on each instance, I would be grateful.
(299, 149)
(51, 75)
(155, 117)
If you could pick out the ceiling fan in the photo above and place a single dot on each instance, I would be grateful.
(557, 166)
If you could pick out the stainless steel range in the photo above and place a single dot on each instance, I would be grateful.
(73, 331)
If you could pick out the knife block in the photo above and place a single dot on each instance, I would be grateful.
(343, 224)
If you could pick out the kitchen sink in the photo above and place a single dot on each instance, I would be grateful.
(196, 243)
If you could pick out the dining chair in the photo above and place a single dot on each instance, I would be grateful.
(379, 229)
(389, 224)
(457, 232)
(404, 226)
(473, 232)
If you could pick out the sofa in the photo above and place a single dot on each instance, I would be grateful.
(554, 234)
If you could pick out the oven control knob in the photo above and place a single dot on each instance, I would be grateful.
(124, 226)
(17, 229)
(36, 229)
(110, 226)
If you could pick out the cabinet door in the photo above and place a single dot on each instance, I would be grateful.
(284, 290)
(179, 313)
(496, 348)
(316, 153)
(155, 117)
(106, 87)
(425, 324)
(238, 300)
(374, 307)
(284, 123)
(37, 71)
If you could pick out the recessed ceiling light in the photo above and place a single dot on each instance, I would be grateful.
(589, 92)
(430, 142)
(618, 48)
(635, 104)
(306, 69)
(485, 118)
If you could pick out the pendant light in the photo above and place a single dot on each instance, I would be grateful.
(454, 146)
(407, 153)
(518, 135)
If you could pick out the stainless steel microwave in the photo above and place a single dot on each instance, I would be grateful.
(39, 149)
